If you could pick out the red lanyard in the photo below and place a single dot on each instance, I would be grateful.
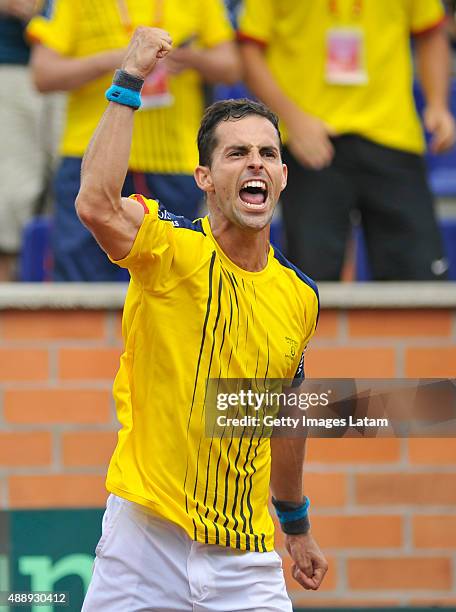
(124, 13)
(357, 7)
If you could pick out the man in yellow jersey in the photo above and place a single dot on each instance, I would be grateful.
(77, 46)
(339, 75)
(187, 525)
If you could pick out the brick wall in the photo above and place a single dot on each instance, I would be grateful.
(384, 511)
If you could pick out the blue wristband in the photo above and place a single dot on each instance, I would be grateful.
(124, 96)
(293, 515)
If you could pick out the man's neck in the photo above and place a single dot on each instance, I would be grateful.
(246, 248)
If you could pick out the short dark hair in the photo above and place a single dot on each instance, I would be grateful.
(228, 110)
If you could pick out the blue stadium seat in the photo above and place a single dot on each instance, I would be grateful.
(35, 262)
(228, 92)
(35, 259)
(362, 268)
(277, 233)
(448, 228)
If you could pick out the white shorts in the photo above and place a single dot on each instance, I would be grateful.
(144, 563)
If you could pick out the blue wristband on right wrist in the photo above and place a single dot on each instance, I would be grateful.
(125, 89)
(124, 96)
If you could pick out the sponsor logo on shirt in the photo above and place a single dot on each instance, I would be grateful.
(292, 346)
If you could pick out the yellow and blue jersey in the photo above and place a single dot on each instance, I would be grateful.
(191, 315)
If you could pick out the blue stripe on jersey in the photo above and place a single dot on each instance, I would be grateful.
(179, 221)
(48, 9)
(305, 279)
(299, 374)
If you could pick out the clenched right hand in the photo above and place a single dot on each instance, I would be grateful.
(146, 47)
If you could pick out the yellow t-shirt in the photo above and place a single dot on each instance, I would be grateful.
(295, 35)
(163, 138)
(191, 314)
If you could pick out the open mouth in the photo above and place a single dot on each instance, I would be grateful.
(254, 192)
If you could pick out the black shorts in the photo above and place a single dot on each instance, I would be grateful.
(390, 190)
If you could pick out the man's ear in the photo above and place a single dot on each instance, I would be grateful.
(203, 178)
(284, 176)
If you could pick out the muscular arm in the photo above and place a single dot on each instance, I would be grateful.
(114, 221)
(287, 461)
(54, 72)
(433, 65)
(308, 136)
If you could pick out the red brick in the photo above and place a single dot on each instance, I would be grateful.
(25, 448)
(51, 324)
(357, 531)
(346, 362)
(437, 489)
(57, 406)
(399, 323)
(325, 489)
(23, 364)
(434, 531)
(353, 450)
(432, 451)
(400, 573)
(328, 324)
(438, 362)
(118, 326)
(57, 491)
(88, 447)
(79, 363)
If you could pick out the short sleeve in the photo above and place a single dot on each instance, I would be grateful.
(215, 24)
(256, 20)
(426, 14)
(55, 27)
(151, 255)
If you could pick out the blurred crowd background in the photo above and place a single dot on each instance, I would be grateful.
(366, 96)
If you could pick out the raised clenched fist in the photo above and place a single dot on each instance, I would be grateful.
(147, 46)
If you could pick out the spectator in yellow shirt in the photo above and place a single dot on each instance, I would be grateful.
(339, 75)
(77, 47)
